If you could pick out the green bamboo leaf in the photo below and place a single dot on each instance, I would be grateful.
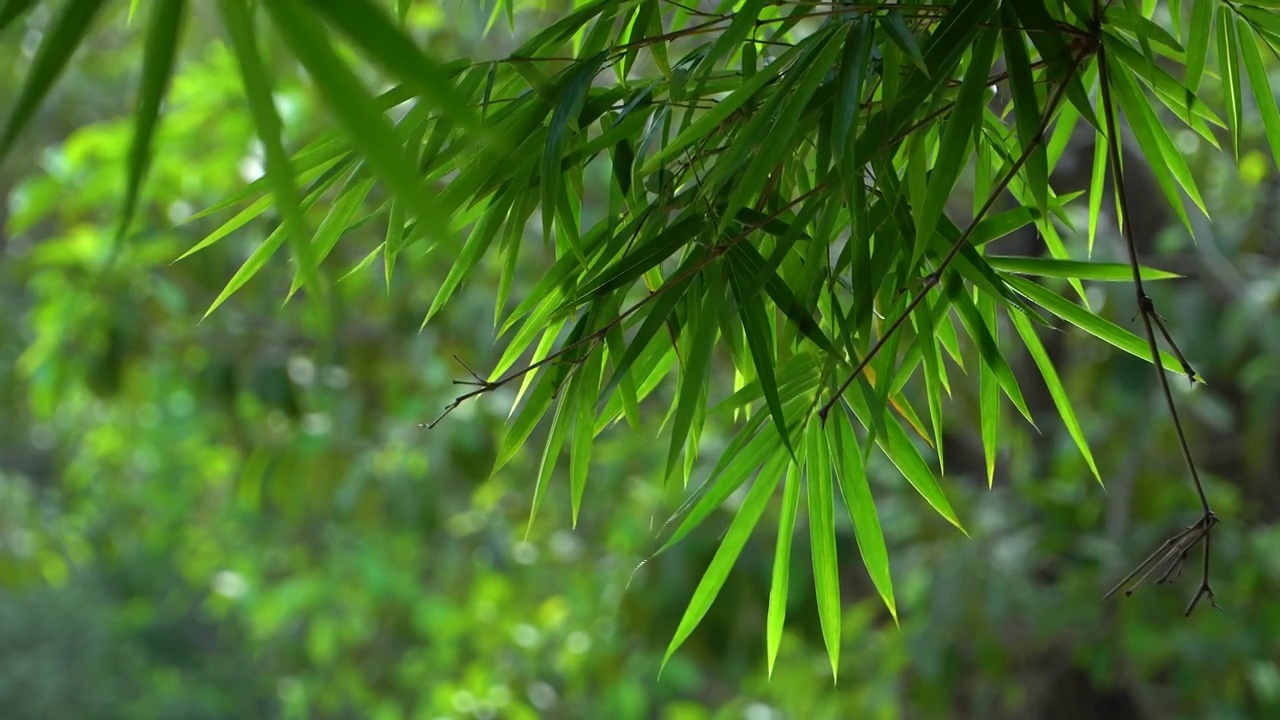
(1262, 93)
(381, 42)
(1026, 107)
(550, 454)
(394, 239)
(856, 491)
(854, 64)
(800, 377)
(640, 260)
(741, 25)
(636, 35)
(956, 140)
(747, 452)
(735, 538)
(563, 125)
(1060, 137)
(1099, 327)
(895, 26)
(519, 344)
(1198, 45)
(779, 587)
(1059, 394)
(1078, 269)
(256, 261)
(473, 250)
(903, 454)
(988, 348)
(337, 222)
(587, 384)
(694, 377)
(565, 27)
(1264, 20)
(163, 34)
(279, 171)
(755, 326)
(1172, 93)
(935, 374)
(59, 42)
(994, 227)
(1229, 69)
(1148, 58)
(241, 219)
(656, 319)
(1097, 185)
(822, 538)
(1043, 31)
(764, 275)
(512, 239)
(1167, 163)
(1134, 24)
(711, 119)
(989, 392)
(535, 408)
(11, 10)
(346, 97)
(315, 161)
(798, 88)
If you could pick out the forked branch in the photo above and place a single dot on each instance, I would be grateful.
(1176, 548)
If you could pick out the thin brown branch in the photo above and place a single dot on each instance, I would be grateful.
(1150, 321)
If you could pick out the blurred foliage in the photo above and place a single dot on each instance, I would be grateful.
(239, 517)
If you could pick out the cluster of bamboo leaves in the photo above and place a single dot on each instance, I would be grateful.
(781, 180)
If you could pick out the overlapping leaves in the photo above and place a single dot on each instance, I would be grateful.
(780, 190)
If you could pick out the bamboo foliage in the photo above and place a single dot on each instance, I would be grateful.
(781, 192)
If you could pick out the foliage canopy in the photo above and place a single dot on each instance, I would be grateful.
(811, 189)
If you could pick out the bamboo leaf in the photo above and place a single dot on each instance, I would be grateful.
(694, 378)
(1026, 107)
(956, 141)
(989, 393)
(756, 327)
(163, 33)
(822, 539)
(1229, 69)
(1078, 269)
(551, 452)
(1262, 93)
(1198, 45)
(898, 448)
(1167, 163)
(779, 587)
(391, 48)
(722, 110)
(847, 454)
(354, 107)
(11, 10)
(895, 26)
(563, 125)
(1056, 389)
(59, 42)
(586, 385)
(735, 538)
(1100, 328)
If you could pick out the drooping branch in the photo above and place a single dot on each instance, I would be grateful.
(1175, 549)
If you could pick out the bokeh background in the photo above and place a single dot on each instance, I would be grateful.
(240, 518)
